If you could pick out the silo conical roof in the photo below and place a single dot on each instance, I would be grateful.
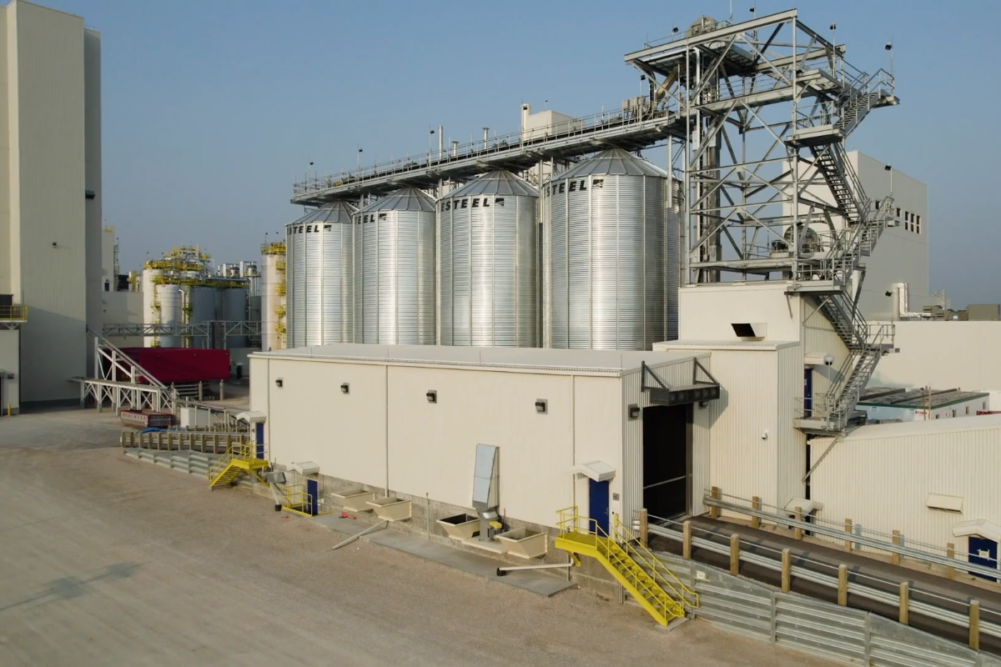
(613, 162)
(500, 182)
(405, 199)
(334, 212)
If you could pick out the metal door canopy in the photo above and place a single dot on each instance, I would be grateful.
(486, 478)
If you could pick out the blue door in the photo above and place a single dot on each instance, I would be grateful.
(313, 495)
(808, 393)
(598, 492)
(259, 438)
(984, 552)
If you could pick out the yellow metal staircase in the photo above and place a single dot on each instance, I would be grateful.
(638, 571)
(240, 459)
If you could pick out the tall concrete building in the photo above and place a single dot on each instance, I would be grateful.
(50, 192)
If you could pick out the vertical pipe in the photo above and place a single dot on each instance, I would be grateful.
(644, 526)
(686, 540)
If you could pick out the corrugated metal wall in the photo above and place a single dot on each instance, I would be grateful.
(742, 461)
(819, 337)
(791, 441)
(883, 482)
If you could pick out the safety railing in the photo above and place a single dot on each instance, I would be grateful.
(477, 148)
(297, 498)
(570, 522)
(241, 451)
(645, 558)
(16, 313)
(853, 536)
(956, 611)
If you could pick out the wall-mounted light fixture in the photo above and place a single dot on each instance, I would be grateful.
(345, 388)
(279, 382)
(635, 411)
(432, 396)
(541, 406)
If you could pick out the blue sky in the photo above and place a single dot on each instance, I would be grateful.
(212, 108)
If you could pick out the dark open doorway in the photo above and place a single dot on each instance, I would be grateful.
(667, 446)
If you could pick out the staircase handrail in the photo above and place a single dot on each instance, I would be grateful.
(639, 553)
(135, 364)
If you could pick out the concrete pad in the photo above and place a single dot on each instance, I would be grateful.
(539, 583)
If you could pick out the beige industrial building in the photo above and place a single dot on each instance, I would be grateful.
(50, 195)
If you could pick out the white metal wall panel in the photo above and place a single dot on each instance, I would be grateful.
(743, 455)
(10, 393)
(819, 337)
(259, 388)
(6, 45)
(597, 433)
(311, 419)
(708, 311)
(791, 442)
(943, 355)
(882, 481)
(432, 446)
(47, 150)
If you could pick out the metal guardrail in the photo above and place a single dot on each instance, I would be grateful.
(14, 313)
(926, 557)
(746, 615)
(816, 627)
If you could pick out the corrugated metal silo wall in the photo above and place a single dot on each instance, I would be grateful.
(395, 278)
(604, 270)
(487, 277)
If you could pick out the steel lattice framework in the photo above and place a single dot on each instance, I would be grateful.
(769, 103)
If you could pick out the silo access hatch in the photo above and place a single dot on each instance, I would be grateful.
(667, 440)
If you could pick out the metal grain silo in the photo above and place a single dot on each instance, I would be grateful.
(488, 282)
(605, 249)
(395, 270)
(320, 277)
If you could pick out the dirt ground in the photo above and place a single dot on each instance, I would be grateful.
(105, 560)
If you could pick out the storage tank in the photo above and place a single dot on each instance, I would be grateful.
(320, 277)
(162, 304)
(395, 270)
(199, 305)
(605, 249)
(488, 282)
(231, 306)
(273, 290)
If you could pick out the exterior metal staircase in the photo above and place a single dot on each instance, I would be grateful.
(831, 277)
(632, 565)
(240, 459)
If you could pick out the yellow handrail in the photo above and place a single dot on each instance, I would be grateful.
(638, 552)
(16, 313)
(570, 522)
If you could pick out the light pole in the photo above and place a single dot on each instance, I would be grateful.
(889, 47)
(360, 151)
